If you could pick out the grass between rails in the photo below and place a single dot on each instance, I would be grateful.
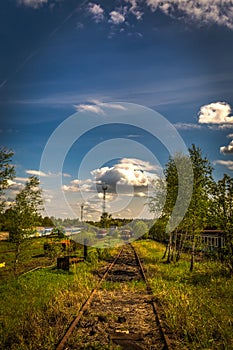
(197, 306)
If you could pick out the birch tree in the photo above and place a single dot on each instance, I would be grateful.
(7, 173)
(24, 215)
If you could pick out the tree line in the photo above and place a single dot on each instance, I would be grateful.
(210, 206)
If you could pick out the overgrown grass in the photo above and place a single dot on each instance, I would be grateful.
(36, 308)
(197, 306)
(32, 254)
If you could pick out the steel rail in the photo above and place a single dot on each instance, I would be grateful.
(166, 339)
(84, 307)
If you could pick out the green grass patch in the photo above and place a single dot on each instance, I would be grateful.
(36, 308)
(197, 306)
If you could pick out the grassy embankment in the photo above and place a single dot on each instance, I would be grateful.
(197, 306)
(37, 307)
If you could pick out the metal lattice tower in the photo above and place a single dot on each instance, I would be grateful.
(104, 188)
(82, 206)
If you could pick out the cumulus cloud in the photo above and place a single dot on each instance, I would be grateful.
(128, 176)
(215, 113)
(33, 3)
(116, 17)
(135, 8)
(96, 11)
(227, 149)
(227, 163)
(127, 173)
(200, 11)
(78, 185)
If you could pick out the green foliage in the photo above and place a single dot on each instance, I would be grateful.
(158, 230)
(47, 222)
(7, 172)
(37, 308)
(24, 214)
(180, 181)
(140, 229)
(222, 212)
(197, 306)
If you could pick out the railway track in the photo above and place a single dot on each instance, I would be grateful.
(119, 313)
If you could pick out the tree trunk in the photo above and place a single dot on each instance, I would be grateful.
(165, 253)
(179, 248)
(174, 242)
(169, 249)
(192, 255)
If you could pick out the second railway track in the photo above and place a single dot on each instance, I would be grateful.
(120, 312)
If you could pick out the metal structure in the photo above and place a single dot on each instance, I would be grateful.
(82, 206)
(104, 188)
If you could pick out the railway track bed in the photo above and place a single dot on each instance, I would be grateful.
(121, 314)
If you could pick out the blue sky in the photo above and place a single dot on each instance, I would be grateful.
(64, 57)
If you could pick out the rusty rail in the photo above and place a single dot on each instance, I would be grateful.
(84, 307)
(166, 339)
(74, 323)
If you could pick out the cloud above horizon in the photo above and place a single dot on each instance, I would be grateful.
(227, 149)
(128, 173)
(96, 11)
(215, 113)
(32, 3)
(200, 12)
(96, 106)
(227, 163)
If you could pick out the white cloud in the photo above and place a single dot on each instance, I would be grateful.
(96, 11)
(14, 187)
(96, 106)
(71, 188)
(36, 173)
(186, 126)
(126, 173)
(230, 136)
(89, 108)
(33, 3)
(227, 163)
(227, 149)
(21, 179)
(215, 113)
(40, 173)
(135, 9)
(79, 185)
(108, 104)
(116, 17)
(200, 11)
